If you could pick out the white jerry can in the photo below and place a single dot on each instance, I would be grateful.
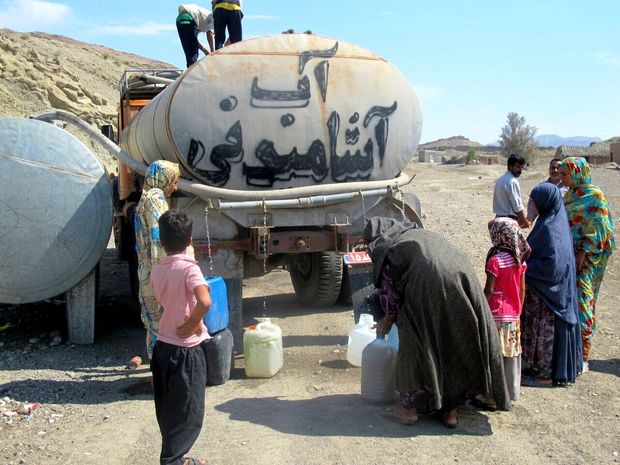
(360, 335)
(262, 350)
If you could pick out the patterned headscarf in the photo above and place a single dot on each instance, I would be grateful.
(579, 170)
(161, 174)
(589, 217)
(506, 236)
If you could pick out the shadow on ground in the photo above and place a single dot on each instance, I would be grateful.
(285, 305)
(119, 335)
(611, 367)
(89, 389)
(342, 415)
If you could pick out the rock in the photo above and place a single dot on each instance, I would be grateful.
(70, 93)
(58, 99)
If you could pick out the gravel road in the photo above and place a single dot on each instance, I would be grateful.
(67, 404)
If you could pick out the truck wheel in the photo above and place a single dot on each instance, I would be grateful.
(316, 277)
(344, 297)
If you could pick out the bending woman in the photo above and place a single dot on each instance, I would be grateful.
(550, 336)
(592, 229)
(160, 181)
(449, 348)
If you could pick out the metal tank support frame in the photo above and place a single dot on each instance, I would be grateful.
(80, 304)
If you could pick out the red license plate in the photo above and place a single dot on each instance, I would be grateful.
(354, 258)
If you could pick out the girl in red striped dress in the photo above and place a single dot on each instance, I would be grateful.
(505, 292)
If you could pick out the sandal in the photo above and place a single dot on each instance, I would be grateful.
(193, 461)
(530, 381)
(450, 421)
(400, 419)
(481, 405)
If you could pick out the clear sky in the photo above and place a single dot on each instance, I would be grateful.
(471, 62)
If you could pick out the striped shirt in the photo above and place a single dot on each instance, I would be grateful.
(505, 301)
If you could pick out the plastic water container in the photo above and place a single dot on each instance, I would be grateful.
(219, 352)
(360, 336)
(393, 337)
(262, 350)
(216, 318)
(378, 372)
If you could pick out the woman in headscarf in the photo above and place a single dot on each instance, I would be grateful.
(505, 290)
(449, 348)
(160, 181)
(550, 334)
(592, 229)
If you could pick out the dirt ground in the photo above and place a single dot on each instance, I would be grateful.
(311, 412)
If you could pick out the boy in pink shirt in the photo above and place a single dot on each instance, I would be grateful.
(179, 365)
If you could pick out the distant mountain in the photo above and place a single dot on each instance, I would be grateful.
(449, 143)
(551, 140)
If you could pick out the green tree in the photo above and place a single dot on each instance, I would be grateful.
(471, 156)
(518, 137)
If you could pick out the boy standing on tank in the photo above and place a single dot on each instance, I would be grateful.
(179, 365)
(191, 21)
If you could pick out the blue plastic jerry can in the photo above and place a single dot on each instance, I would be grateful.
(393, 337)
(216, 318)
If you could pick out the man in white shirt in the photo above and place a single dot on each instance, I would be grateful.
(507, 193)
(191, 21)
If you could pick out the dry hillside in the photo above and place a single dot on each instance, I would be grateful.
(450, 143)
(41, 71)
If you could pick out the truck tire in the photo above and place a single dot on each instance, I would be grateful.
(344, 297)
(316, 277)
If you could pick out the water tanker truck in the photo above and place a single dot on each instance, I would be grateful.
(286, 144)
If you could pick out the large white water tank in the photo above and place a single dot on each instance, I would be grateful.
(55, 210)
(282, 111)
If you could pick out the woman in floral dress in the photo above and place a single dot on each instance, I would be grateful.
(592, 229)
(160, 181)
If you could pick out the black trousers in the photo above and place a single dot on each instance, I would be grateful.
(189, 41)
(179, 380)
(222, 19)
